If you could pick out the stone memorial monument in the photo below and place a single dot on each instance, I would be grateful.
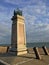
(18, 39)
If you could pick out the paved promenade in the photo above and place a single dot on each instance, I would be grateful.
(27, 59)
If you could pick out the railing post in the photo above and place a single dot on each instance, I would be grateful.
(37, 53)
(45, 50)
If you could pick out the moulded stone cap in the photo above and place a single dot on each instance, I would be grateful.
(21, 17)
(17, 16)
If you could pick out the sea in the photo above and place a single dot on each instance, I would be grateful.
(30, 45)
(38, 44)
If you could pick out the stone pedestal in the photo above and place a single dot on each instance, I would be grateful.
(18, 43)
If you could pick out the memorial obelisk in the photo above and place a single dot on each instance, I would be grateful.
(18, 40)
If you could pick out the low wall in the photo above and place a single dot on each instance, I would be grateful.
(3, 49)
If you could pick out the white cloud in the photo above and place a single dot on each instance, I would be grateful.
(5, 25)
(36, 27)
(5, 34)
(37, 23)
(4, 29)
(48, 14)
(38, 33)
(4, 11)
(13, 1)
(38, 10)
(21, 1)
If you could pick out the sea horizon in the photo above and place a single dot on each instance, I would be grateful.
(33, 44)
(38, 44)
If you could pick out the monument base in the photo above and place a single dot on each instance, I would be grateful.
(20, 50)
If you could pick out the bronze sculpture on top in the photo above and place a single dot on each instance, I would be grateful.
(17, 12)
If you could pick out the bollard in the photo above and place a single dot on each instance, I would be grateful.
(37, 53)
(45, 50)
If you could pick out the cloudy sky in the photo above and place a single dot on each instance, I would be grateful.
(36, 13)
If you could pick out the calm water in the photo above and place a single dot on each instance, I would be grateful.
(32, 44)
(38, 44)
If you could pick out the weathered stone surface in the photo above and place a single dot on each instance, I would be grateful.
(18, 35)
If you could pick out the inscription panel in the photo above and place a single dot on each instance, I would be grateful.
(21, 36)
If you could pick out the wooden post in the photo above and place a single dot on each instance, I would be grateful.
(37, 53)
(45, 50)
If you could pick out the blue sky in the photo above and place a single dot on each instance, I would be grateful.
(36, 13)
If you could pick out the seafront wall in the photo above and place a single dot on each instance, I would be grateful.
(3, 49)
